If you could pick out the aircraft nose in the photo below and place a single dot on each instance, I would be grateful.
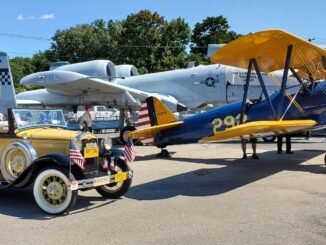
(181, 107)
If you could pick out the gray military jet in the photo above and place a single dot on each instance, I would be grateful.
(101, 82)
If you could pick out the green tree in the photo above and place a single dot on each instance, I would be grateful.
(144, 39)
(41, 61)
(21, 67)
(140, 40)
(151, 43)
(211, 30)
(112, 50)
(175, 38)
(81, 43)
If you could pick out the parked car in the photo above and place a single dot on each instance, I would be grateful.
(36, 150)
(98, 113)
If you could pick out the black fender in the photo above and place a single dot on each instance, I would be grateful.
(60, 160)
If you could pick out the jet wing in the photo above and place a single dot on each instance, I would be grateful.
(72, 83)
(269, 48)
(261, 129)
(75, 84)
(28, 102)
(150, 132)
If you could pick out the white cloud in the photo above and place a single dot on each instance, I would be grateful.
(47, 17)
(20, 17)
(31, 17)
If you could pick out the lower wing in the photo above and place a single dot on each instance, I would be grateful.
(261, 129)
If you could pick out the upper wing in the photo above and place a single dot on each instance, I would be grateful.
(150, 132)
(269, 48)
(261, 129)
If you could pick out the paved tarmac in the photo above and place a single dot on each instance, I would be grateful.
(205, 194)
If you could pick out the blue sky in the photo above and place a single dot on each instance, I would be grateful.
(41, 18)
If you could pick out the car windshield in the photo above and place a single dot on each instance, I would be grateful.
(31, 118)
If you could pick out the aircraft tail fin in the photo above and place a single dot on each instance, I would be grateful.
(153, 113)
(7, 90)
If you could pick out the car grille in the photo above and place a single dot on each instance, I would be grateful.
(91, 164)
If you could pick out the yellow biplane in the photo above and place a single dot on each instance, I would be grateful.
(281, 113)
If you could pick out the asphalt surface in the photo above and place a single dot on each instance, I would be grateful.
(205, 194)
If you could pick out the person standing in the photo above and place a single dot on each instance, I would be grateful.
(86, 119)
(253, 142)
(280, 142)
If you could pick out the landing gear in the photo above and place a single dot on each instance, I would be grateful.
(164, 153)
(126, 118)
(325, 159)
(269, 139)
(123, 138)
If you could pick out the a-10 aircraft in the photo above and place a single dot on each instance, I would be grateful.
(281, 113)
(100, 82)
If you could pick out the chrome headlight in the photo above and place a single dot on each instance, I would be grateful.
(107, 143)
(78, 143)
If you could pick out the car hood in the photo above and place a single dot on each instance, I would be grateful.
(53, 133)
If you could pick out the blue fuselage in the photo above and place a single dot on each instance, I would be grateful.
(205, 124)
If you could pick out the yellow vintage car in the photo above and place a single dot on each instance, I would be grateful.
(35, 149)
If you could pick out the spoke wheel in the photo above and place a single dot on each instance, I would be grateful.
(15, 158)
(15, 163)
(116, 190)
(51, 191)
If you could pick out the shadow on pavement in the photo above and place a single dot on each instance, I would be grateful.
(235, 173)
(20, 203)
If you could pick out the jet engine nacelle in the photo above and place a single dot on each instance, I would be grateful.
(126, 70)
(96, 68)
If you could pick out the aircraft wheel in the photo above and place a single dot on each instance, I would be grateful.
(164, 153)
(123, 138)
(269, 139)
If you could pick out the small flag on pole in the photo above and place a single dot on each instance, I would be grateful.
(105, 164)
(75, 156)
(129, 151)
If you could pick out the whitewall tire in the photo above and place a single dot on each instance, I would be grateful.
(51, 192)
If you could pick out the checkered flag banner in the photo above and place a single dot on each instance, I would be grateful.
(5, 78)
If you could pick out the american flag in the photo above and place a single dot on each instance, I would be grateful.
(129, 151)
(75, 156)
(144, 122)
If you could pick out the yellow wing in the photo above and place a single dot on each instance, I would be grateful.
(146, 133)
(269, 48)
(261, 129)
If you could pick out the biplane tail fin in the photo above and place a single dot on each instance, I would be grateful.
(7, 90)
(153, 117)
(153, 112)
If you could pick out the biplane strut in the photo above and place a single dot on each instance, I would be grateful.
(277, 115)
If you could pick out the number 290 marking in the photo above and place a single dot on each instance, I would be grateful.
(228, 121)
